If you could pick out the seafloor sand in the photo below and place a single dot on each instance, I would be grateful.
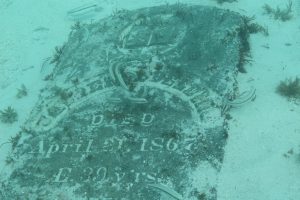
(261, 132)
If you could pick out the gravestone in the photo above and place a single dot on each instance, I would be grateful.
(132, 109)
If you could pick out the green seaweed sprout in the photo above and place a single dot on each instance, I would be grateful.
(57, 55)
(254, 27)
(15, 140)
(289, 88)
(8, 115)
(22, 92)
(278, 13)
(223, 1)
(9, 160)
(76, 26)
(63, 94)
(249, 27)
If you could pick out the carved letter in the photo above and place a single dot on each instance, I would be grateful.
(171, 146)
(137, 177)
(97, 119)
(119, 176)
(52, 149)
(65, 146)
(59, 174)
(77, 147)
(143, 144)
(147, 119)
(88, 170)
(108, 145)
(157, 146)
(101, 172)
(190, 146)
(41, 148)
(89, 146)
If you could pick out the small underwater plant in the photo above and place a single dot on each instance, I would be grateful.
(279, 14)
(244, 45)
(76, 26)
(289, 88)
(8, 115)
(172, 134)
(48, 77)
(63, 94)
(26, 130)
(22, 92)
(57, 55)
(15, 140)
(182, 13)
(9, 160)
(254, 27)
(244, 48)
(223, 1)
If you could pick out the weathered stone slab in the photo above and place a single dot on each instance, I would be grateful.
(132, 109)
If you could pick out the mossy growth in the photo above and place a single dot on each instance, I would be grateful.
(15, 140)
(8, 115)
(224, 1)
(63, 94)
(278, 13)
(254, 27)
(76, 26)
(48, 77)
(172, 134)
(57, 55)
(26, 130)
(289, 88)
(9, 160)
(181, 12)
(54, 111)
(244, 47)
(244, 32)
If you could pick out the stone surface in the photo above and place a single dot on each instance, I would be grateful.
(132, 109)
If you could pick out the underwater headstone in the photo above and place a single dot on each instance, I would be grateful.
(133, 109)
